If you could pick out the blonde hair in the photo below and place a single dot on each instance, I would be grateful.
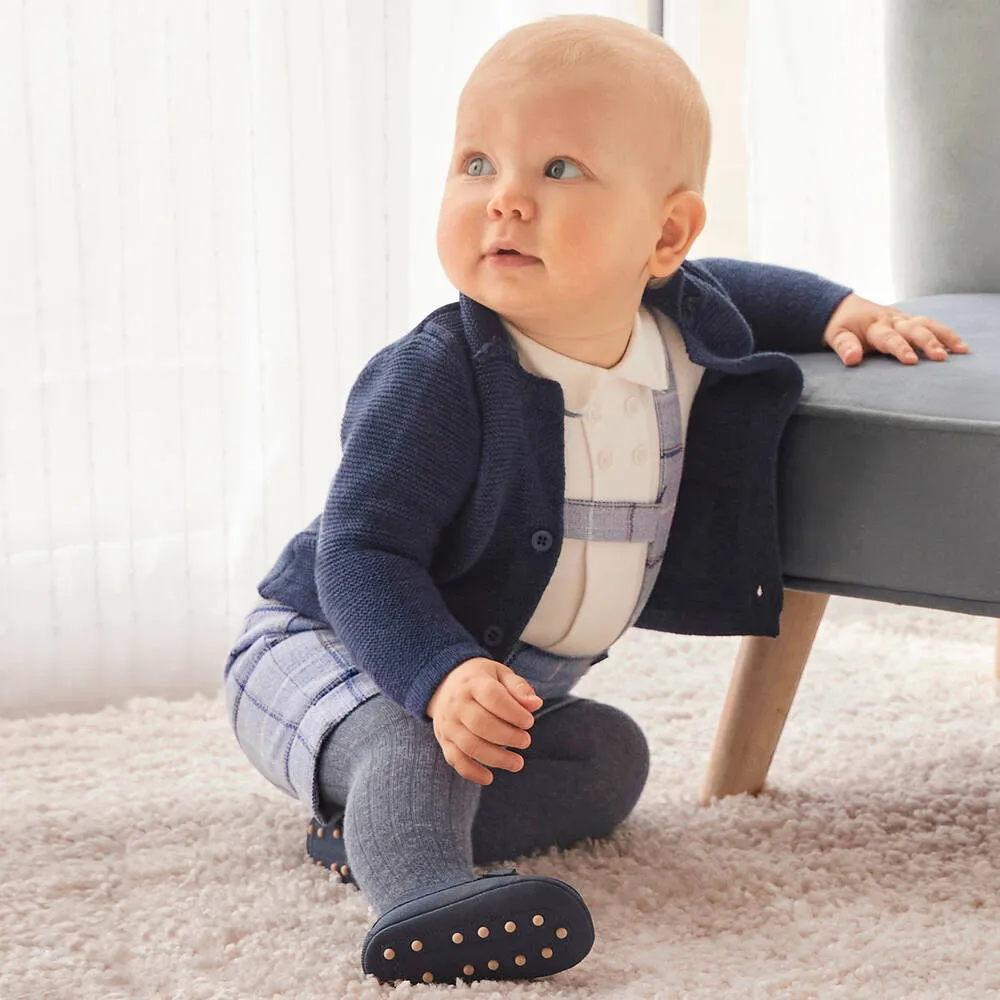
(556, 44)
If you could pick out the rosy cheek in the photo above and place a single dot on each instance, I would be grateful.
(577, 234)
(454, 240)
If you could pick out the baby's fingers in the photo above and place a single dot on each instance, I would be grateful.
(931, 337)
(465, 765)
(509, 698)
(932, 332)
(848, 347)
(467, 753)
(885, 336)
(484, 724)
(487, 753)
(521, 690)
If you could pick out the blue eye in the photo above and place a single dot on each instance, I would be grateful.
(558, 168)
(478, 166)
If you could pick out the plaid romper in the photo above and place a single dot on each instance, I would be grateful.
(289, 680)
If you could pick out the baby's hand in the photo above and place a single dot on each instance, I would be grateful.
(479, 709)
(858, 326)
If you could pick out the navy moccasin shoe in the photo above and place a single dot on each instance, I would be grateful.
(325, 845)
(499, 926)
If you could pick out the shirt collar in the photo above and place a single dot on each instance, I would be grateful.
(644, 362)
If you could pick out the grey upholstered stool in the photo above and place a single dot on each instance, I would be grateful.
(889, 490)
(890, 475)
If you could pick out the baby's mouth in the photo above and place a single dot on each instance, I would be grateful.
(508, 259)
(508, 256)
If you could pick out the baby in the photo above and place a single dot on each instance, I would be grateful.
(585, 441)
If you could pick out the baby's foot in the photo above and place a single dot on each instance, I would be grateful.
(500, 926)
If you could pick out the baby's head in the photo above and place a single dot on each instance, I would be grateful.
(582, 142)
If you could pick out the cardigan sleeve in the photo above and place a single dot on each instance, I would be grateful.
(411, 446)
(786, 309)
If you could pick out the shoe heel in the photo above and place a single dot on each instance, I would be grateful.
(325, 845)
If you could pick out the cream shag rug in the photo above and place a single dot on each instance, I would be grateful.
(143, 857)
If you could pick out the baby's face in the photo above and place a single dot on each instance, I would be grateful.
(560, 170)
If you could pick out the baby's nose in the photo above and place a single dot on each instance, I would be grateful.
(510, 201)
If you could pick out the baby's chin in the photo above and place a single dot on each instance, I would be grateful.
(518, 313)
(508, 302)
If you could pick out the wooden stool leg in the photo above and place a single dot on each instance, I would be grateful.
(760, 695)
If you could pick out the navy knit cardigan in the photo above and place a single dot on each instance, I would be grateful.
(443, 523)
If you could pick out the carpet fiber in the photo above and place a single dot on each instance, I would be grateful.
(143, 857)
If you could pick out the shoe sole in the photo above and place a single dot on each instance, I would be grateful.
(325, 845)
(507, 927)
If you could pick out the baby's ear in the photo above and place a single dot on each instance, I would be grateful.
(683, 218)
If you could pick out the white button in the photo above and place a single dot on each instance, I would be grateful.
(640, 455)
(632, 405)
(606, 459)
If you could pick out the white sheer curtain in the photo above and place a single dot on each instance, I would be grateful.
(818, 186)
(211, 214)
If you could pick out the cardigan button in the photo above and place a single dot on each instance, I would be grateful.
(541, 541)
(493, 635)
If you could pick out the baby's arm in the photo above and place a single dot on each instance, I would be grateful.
(411, 448)
(787, 309)
(790, 310)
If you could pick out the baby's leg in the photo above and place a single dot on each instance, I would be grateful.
(408, 813)
(408, 832)
(583, 774)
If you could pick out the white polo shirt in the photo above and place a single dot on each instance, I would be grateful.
(611, 453)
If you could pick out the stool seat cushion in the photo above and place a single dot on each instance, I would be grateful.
(889, 475)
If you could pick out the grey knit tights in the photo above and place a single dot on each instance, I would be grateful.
(412, 823)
